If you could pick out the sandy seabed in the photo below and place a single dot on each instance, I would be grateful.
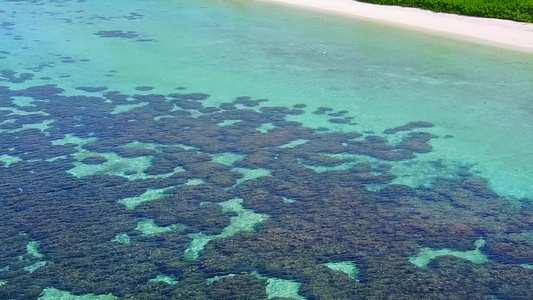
(496, 32)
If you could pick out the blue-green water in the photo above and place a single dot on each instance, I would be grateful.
(241, 150)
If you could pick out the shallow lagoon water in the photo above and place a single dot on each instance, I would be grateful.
(151, 147)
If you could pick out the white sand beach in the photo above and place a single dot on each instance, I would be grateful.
(502, 33)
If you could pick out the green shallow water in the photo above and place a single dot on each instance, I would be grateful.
(115, 202)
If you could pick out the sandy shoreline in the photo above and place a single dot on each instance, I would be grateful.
(501, 33)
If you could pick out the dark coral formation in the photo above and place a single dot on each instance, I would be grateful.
(408, 127)
(11, 76)
(118, 34)
(92, 89)
(332, 216)
(144, 88)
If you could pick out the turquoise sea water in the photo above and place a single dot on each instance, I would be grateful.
(239, 150)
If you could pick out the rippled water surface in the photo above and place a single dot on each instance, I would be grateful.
(171, 149)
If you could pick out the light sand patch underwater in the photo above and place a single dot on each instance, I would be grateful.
(244, 221)
(149, 195)
(426, 255)
(149, 228)
(52, 293)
